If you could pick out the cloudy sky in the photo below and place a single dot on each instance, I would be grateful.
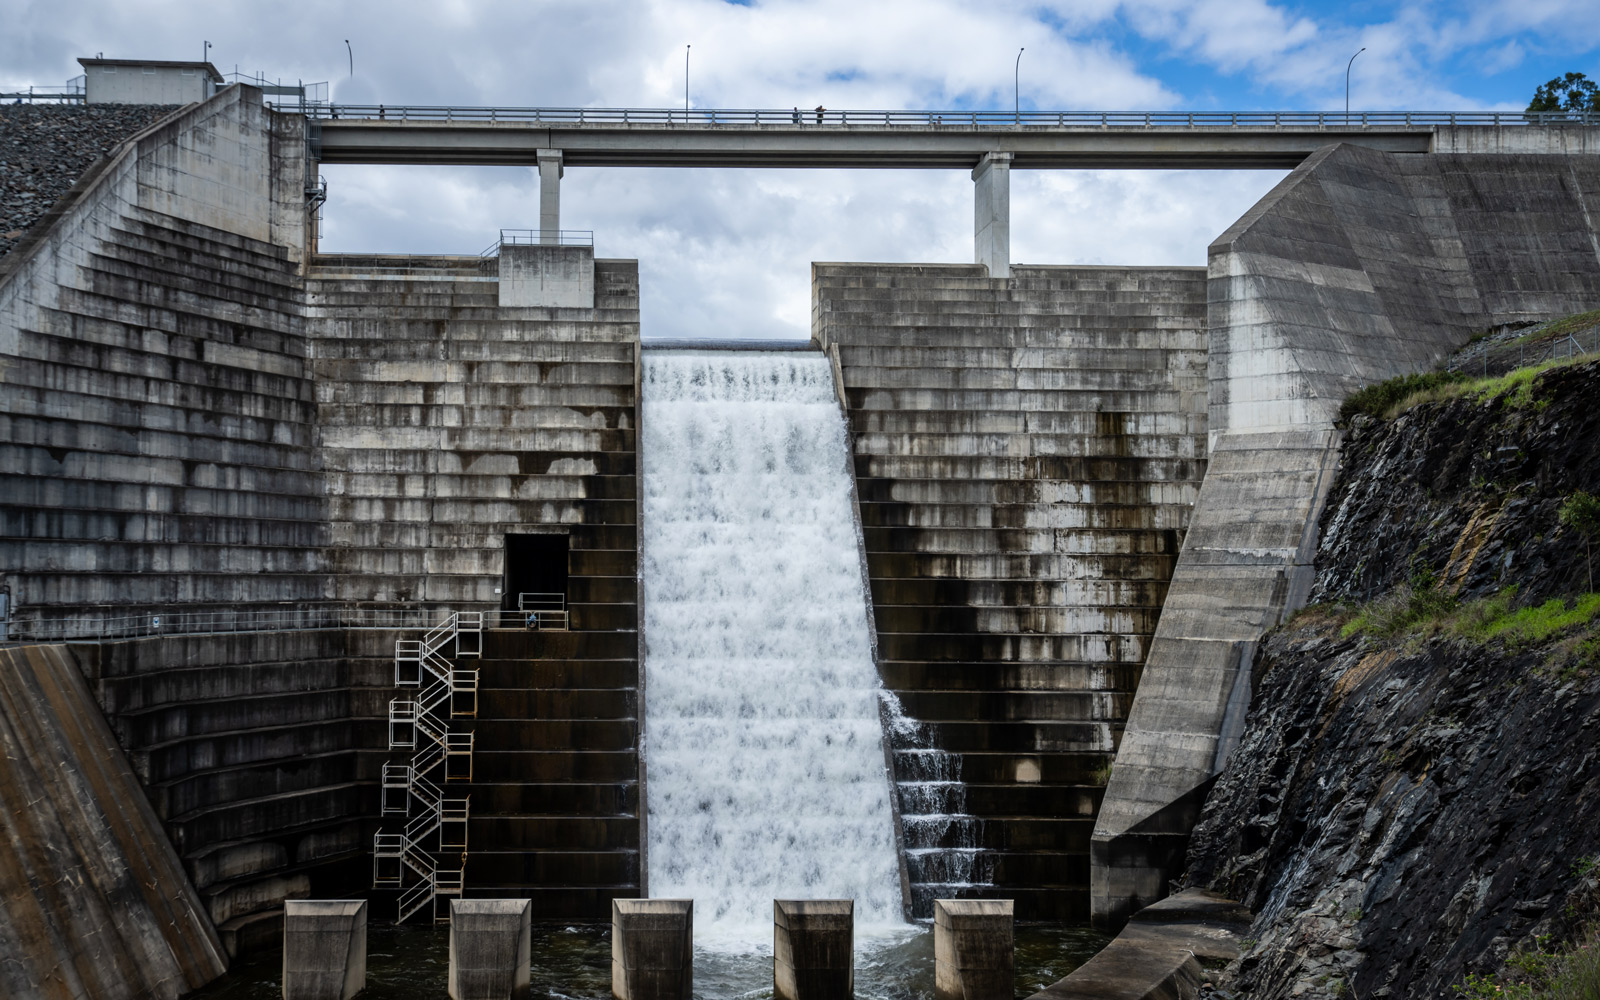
(726, 252)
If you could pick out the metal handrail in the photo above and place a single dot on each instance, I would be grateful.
(944, 120)
(181, 621)
(540, 237)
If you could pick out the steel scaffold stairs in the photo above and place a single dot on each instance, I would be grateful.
(417, 860)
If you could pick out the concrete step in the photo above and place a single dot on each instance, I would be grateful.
(556, 734)
(553, 766)
(146, 242)
(545, 869)
(902, 675)
(200, 277)
(1024, 737)
(920, 620)
(502, 799)
(1008, 706)
(512, 704)
(1011, 565)
(1007, 649)
(1085, 769)
(1078, 468)
(134, 215)
(553, 833)
(940, 593)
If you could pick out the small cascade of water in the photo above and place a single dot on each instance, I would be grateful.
(945, 856)
(763, 744)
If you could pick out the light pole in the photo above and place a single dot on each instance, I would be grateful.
(352, 54)
(686, 49)
(205, 55)
(1016, 85)
(1347, 83)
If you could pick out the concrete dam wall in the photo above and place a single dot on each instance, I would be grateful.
(1083, 493)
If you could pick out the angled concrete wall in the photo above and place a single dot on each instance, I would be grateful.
(1359, 266)
(260, 752)
(1027, 451)
(94, 903)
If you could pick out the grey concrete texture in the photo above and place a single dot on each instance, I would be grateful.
(94, 902)
(1358, 267)
(974, 954)
(1158, 955)
(258, 752)
(188, 423)
(324, 948)
(552, 276)
(1027, 452)
(491, 949)
(813, 949)
(652, 949)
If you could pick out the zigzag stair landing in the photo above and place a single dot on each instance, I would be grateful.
(421, 860)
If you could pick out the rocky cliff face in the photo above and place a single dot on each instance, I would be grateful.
(1403, 810)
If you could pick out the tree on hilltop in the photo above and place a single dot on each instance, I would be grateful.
(1574, 92)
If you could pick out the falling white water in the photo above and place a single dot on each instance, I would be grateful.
(763, 742)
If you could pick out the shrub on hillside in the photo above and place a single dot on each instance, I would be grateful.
(1377, 400)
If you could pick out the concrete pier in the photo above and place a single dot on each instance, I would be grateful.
(813, 949)
(324, 948)
(973, 954)
(652, 949)
(550, 171)
(991, 220)
(491, 948)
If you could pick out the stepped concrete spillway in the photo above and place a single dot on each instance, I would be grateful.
(765, 749)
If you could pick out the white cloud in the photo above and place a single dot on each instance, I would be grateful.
(728, 250)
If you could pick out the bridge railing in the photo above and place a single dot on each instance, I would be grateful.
(923, 120)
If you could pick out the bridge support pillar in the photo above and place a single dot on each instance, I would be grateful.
(992, 215)
(550, 171)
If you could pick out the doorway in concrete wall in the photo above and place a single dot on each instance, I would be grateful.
(536, 570)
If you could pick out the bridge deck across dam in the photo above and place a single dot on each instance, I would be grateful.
(989, 143)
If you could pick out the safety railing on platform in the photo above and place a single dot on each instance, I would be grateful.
(813, 117)
(540, 237)
(435, 823)
(30, 624)
(543, 611)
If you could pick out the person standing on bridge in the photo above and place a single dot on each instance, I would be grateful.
(797, 114)
(820, 112)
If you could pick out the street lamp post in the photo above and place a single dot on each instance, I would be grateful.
(1016, 85)
(686, 84)
(352, 53)
(1347, 83)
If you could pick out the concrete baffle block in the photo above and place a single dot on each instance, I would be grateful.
(491, 949)
(813, 949)
(652, 949)
(973, 958)
(324, 948)
(551, 276)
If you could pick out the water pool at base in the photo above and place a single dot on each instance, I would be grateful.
(412, 963)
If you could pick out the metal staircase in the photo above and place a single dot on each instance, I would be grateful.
(417, 860)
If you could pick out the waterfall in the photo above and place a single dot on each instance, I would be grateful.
(763, 745)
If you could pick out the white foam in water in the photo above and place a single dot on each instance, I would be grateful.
(763, 744)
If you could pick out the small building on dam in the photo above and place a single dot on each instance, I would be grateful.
(418, 577)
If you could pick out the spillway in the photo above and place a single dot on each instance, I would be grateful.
(763, 745)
